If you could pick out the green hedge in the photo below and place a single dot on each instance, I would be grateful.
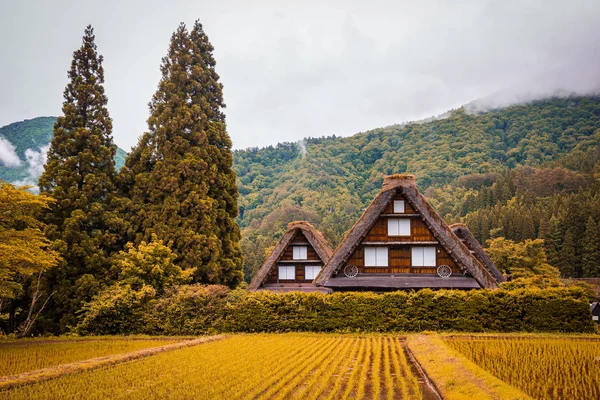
(196, 309)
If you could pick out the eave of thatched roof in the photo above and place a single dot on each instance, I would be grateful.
(314, 237)
(406, 185)
(463, 232)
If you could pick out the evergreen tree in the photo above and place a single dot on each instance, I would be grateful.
(590, 260)
(179, 177)
(568, 258)
(553, 241)
(79, 174)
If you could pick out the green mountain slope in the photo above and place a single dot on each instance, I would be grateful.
(331, 182)
(526, 171)
(33, 135)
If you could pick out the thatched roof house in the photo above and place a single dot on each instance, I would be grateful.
(295, 262)
(400, 242)
(465, 235)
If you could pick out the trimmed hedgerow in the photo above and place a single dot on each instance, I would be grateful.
(198, 309)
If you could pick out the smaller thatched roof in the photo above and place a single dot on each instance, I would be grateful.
(406, 185)
(463, 232)
(314, 237)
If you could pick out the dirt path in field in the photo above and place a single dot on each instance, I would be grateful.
(29, 342)
(428, 389)
(7, 382)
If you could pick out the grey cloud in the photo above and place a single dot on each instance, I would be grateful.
(298, 69)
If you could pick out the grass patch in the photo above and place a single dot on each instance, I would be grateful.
(455, 377)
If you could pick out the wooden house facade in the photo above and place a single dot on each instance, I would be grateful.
(295, 262)
(400, 242)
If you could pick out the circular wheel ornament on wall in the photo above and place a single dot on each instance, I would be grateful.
(444, 271)
(351, 271)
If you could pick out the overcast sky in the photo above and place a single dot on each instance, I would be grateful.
(302, 68)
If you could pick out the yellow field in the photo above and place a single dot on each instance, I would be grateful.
(28, 355)
(543, 367)
(249, 366)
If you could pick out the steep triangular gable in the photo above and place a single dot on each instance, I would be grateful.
(463, 233)
(314, 237)
(405, 185)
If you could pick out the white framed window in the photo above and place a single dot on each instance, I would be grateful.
(311, 271)
(287, 272)
(423, 256)
(398, 206)
(376, 256)
(398, 226)
(300, 252)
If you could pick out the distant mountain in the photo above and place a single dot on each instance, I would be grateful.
(474, 166)
(522, 172)
(29, 140)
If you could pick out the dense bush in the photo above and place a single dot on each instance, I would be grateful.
(198, 309)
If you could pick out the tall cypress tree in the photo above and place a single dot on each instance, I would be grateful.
(590, 258)
(179, 177)
(80, 174)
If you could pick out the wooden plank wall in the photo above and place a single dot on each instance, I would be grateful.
(400, 262)
(300, 239)
(288, 255)
(400, 255)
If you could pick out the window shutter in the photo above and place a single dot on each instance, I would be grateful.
(429, 257)
(370, 256)
(404, 227)
(393, 227)
(398, 206)
(417, 256)
(311, 272)
(299, 252)
(382, 256)
(287, 273)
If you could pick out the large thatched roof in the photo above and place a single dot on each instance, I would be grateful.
(406, 185)
(463, 232)
(314, 237)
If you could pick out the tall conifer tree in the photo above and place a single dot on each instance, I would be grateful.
(568, 258)
(79, 174)
(590, 258)
(179, 177)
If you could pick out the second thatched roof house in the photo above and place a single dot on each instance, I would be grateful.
(295, 262)
(400, 242)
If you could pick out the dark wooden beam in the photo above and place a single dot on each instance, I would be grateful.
(400, 242)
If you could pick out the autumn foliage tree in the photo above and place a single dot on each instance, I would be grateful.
(521, 260)
(80, 174)
(25, 253)
(179, 177)
(24, 250)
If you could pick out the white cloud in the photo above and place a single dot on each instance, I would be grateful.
(8, 155)
(35, 161)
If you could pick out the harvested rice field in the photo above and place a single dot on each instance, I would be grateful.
(249, 366)
(28, 355)
(543, 367)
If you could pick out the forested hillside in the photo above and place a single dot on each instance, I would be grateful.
(30, 138)
(527, 171)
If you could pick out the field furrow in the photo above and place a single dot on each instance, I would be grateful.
(313, 366)
(18, 357)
